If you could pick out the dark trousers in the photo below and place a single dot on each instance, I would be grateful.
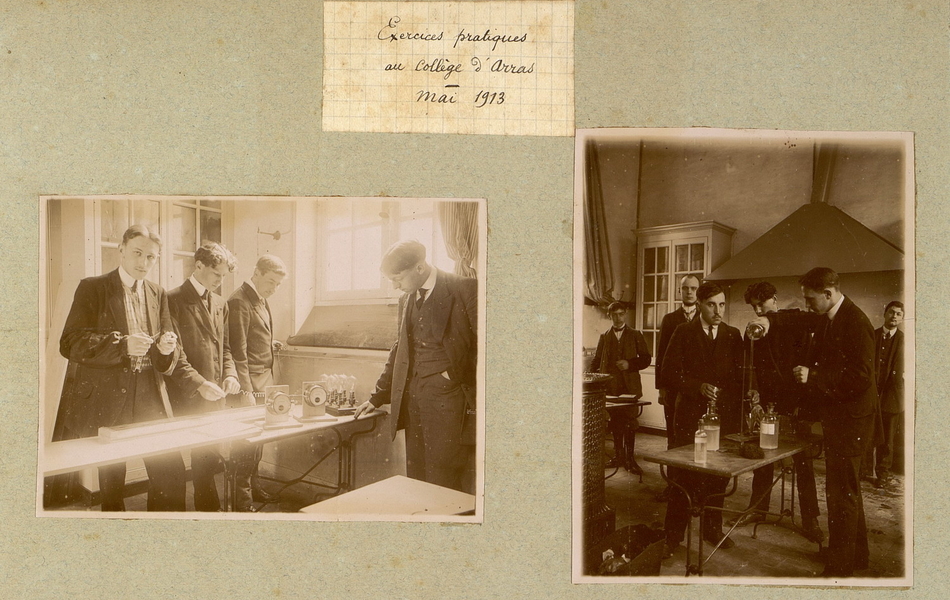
(166, 472)
(205, 463)
(166, 484)
(847, 531)
(700, 486)
(621, 429)
(886, 451)
(669, 411)
(434, 449)
(244, 458)
(805, 480)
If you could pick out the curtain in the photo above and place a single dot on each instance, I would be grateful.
(598, 271)
(459, 222)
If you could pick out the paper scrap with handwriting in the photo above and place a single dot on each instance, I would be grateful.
(504, 68)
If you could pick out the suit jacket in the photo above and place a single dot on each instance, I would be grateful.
(775, 356)
(692, 360)
(206, 355)
(251, 338)
(99, 376)
(669, 324)
(890, 377)
(455, 310)
(630, 347)
(841, 376)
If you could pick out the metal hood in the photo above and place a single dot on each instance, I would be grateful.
(817, 234)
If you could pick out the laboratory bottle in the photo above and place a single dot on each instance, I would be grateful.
(768, 430)
(699, 445)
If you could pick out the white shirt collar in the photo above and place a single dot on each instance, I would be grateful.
(707, 325)
(689, 310)
(834, 309)
(198, 287)
(889, 332)
(127, 280)
(430, 282)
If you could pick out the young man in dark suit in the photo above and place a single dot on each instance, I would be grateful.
(889, 365)
(702, 363)
(840, 375)
(430, 375)
(119, 339)
(684, 314)
(252, 344)
(621, 352)
(774, 358)
(205, 374)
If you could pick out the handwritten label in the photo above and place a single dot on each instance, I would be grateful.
(503, 68)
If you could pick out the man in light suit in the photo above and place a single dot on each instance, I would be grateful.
(119, 339)
(251, 339)
(200, 317)
(429, 377)
(702, 363)
(840, 375)
(621, 352)
(889, 363)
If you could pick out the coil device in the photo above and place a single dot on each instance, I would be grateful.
(314, 403)
(277, 402)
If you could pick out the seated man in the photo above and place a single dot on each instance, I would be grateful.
(621, 352)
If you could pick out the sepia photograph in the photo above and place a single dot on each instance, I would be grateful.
(744, 357)
(261, 358)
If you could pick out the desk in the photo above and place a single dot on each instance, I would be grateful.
(395, 499)
(222, 427)
(725, 463)
(615, 403)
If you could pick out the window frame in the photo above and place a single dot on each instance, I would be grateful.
(397, 214)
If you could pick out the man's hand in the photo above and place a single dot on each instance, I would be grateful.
(210, 391)
(278, 346)
(166, 343)
(709, 390)
(801, 374)
(623, 365)
(231, 385)
(138, 344)
(661, 395)
(366, 407)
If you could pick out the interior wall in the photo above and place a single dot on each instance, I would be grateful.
(270, 216)
(752, 186)
(619, 164)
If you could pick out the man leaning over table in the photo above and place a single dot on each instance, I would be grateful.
(251, 339)
(205, 372)
(840, 374)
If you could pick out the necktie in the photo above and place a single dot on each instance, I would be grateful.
(421, 299)
(711, 338)
(207, 298)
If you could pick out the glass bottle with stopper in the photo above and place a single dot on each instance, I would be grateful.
(768, 430)
(710, 424)
(699, 444)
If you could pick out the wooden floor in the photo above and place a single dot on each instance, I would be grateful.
(291, 499)
(776, 551)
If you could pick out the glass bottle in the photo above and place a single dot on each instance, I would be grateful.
(768, 430)
(710, 424)
(699, 445)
